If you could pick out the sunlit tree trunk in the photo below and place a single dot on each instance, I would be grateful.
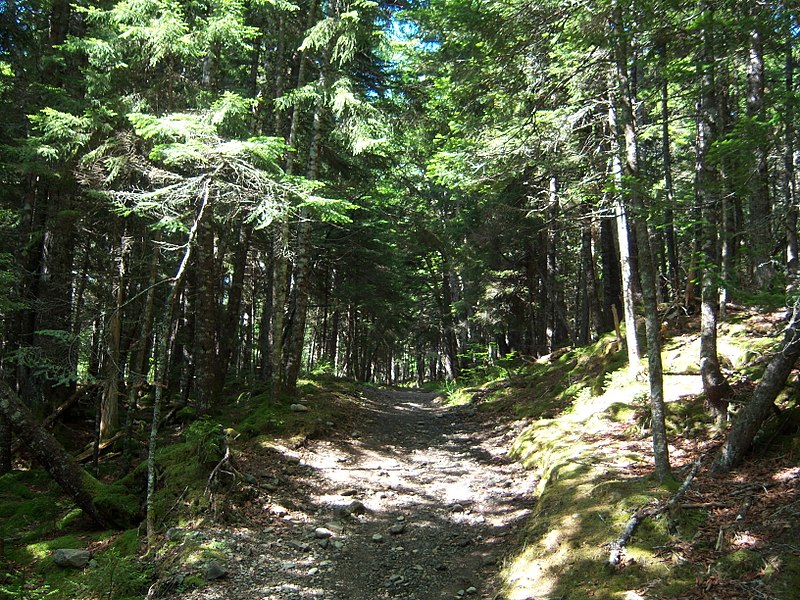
(707, 198)
(585, 288)
(788, 183)
(623, 240)
(626, 121)
(669, 188)
(302, 263)
(448, 322)
(281, 247)
(266, 287)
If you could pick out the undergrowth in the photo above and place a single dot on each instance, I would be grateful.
(36, 519)
(588, 439)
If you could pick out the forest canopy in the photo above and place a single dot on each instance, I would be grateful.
(216, 192)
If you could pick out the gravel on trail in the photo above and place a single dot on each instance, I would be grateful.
(419, 502)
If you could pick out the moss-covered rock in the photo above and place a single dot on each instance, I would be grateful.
(739, 562)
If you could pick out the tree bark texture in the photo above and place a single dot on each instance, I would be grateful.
(760, 406)
(707, 199)
(585, 288)
(623, 239)
(647, 270)
(610, 271)
(666, 157)
(50, 454)
(280, 262)
(302, 263)
(760, 226)
(206, 313)
(788, 183)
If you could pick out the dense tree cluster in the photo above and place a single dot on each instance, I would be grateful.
(201, 192)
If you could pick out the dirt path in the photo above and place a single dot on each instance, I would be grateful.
(420, 503)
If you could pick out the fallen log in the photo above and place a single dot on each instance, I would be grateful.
(53, 416)
(52, 456)
(89, 452)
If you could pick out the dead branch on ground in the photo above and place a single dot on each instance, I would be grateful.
(618, 545)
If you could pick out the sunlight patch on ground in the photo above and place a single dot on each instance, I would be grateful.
(460, 491)
(787, 474)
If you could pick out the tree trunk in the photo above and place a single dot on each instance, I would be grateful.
(623, 235)
(582, 314)
(162, 362)
(140, 352)
(51, 455)
(760, 207)
(231, 322)
(448, 323)
(647, 271)
(280, 255)
(302, 266)
(109, 404)
(666, 157)
(755, 412)
(716, 388)
(788, 183)
(557, 330)
(610, 274)
(205, 341)
(54, 308)
(279, 296)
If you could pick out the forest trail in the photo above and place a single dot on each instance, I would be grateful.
(419, 503)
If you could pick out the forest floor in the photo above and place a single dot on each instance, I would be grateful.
(513, 489)
(417, 502)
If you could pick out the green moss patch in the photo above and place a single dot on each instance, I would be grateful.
(591, 446)
(546, 388)
(591, 484)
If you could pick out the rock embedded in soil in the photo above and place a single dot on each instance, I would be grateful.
(322, 533)
(71, 558)
(302, 546)
(355, 508)
(214, 570)
(397, 528)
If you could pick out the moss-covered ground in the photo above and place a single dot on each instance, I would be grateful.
(36, 518)
(587, 436)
